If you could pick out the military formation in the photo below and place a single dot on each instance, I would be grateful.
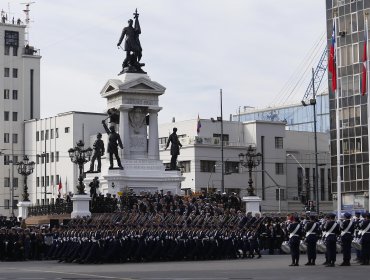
(330, 236)
(163, 227)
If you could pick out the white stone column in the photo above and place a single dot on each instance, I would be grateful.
(124, 131)
(153, 147)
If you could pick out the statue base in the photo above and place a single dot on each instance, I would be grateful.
(81, 207)
(23, 209)
(252, 204)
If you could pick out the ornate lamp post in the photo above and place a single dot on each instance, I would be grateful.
(79, 155)
(25, 168)
(250, 159)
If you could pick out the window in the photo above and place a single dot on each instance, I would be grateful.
(52, 157)
(354, 22)
(57, 179)
(37, 136)
(6, 137)
(6, 116)
(225, 136)
(6, 203)
(15, 138)
(66, 130)
(6, 159)
(15, 116)
(47, 180)
(355, 53)
(6, 182)
(322, 183)
(6, 72)
(47, 157)
(185, 165)
(42, 158)
(56, 133)
(42, 135)
(37, 181)
(6, 94)
(207, 165)
(47, 134)
(51, 133)
(15, 182)
(279, 168)
(52, 180)
(278, 142)
(42, 181)
(15, 73)
(231, 167)
(6, 50)
(15, 51)
(280, 194)
(37, 159)
(358, 144)
(15, 94)
(15, 159)
(56, 156)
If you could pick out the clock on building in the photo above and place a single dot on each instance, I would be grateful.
(11, 38)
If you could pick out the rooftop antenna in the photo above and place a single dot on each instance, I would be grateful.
(27, 12)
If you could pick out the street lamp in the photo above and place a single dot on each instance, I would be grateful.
(250, 159)
(79, 155)
(305, 192)
(25, 168)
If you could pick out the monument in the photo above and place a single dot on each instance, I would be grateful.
(135, 99)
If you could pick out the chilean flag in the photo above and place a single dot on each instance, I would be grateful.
(364, 66)
(332, 60)
(60, 185)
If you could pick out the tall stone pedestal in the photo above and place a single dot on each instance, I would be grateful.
(23, 209)
(252, 204)
(81, 206)
(136, 97)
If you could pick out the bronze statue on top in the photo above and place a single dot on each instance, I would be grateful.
(132, 47)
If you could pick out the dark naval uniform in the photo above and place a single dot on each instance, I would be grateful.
(347, 227)
(295, 232)
(365, 240)
(312, 229)
(332, 231)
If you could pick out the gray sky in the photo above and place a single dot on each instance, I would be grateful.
(249, 48)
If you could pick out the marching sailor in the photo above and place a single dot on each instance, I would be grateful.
(365, 240)
(312, 230)
(347, 227)
(295, 231)
(332, 231)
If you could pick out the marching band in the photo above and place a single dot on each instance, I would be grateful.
(328, 236)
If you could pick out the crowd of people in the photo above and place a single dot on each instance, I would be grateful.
(163, 227)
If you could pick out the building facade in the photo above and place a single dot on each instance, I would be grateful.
(201, 164)
(353, 124)
(20, 100)
(48, 142)
(296, 116)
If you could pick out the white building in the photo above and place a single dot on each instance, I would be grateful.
(20, 100)
(200, 158)
(48, 142)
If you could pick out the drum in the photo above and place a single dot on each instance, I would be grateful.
(285, 247)
(320, 246)
(303, 246)
(356, 243)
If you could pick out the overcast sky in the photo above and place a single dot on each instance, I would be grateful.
(249, 48)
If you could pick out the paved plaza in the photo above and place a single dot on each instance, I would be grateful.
(268, 267)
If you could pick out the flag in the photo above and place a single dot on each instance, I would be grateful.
(332, 60)
(364, 66)
(199, 125)
(60, 185)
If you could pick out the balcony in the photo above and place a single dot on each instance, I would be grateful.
(206, 141)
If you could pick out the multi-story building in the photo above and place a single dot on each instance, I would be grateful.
(284, 156)
(354, 151)
(19, 101)
(48, 142)
(296, 116)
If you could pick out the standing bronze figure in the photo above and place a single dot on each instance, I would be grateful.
(175, 148)
(99, 151)
(132, 46)
(114, 141)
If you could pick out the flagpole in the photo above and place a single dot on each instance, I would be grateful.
(339, 185)
(367, 92)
